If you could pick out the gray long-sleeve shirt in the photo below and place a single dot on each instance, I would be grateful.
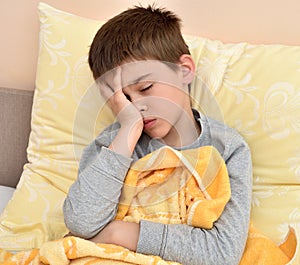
(92, 200)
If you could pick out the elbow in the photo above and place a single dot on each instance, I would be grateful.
(79, 230)
(85, 224)
(77, 224)
(231, 255)
(227, 252)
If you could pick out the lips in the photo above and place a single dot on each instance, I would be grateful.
(148, 123)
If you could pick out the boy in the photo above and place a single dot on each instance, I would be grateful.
(144, 68)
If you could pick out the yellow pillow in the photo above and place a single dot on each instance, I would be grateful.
(254, 88)
(65, 117)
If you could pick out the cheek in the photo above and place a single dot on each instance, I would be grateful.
(163, 108)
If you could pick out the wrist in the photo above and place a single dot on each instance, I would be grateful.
(126, 139)
(133, 129)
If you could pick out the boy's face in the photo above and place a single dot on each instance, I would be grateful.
(160, 92)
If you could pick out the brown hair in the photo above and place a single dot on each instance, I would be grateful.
(137, 34)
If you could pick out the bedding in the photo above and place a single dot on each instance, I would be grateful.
(168, 186)
(253, 88)
(5, 194)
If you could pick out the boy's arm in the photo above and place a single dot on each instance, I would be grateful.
(128, 115)
(131, 125)
(92, 200)
(224, 243)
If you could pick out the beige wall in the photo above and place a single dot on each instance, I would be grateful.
(256, 21)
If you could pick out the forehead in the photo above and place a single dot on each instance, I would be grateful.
(149, 70)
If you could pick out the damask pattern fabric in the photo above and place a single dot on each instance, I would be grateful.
(256, 89)
(253, 88)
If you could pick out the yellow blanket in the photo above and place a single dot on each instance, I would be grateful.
(165, 186)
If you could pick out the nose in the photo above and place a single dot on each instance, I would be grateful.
(140, 103)
(143, 108)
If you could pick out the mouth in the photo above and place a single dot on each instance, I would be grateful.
(149, 123)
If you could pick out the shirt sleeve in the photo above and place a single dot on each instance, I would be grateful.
(224, 243)
(92, 200)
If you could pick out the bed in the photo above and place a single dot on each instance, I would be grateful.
(254, 88)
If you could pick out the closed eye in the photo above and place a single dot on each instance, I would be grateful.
(146, 88)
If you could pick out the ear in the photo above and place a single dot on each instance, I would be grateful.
(187, 66)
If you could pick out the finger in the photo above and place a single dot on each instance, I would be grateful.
(106, 91)
(120, 99)
(117, 79)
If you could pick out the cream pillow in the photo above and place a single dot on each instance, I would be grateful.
(65, 118)
(254, 88)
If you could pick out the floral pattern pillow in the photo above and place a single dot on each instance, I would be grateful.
(253, 88)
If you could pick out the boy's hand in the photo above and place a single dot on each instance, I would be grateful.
(111, 89)
(127, 114)
(125, 234)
